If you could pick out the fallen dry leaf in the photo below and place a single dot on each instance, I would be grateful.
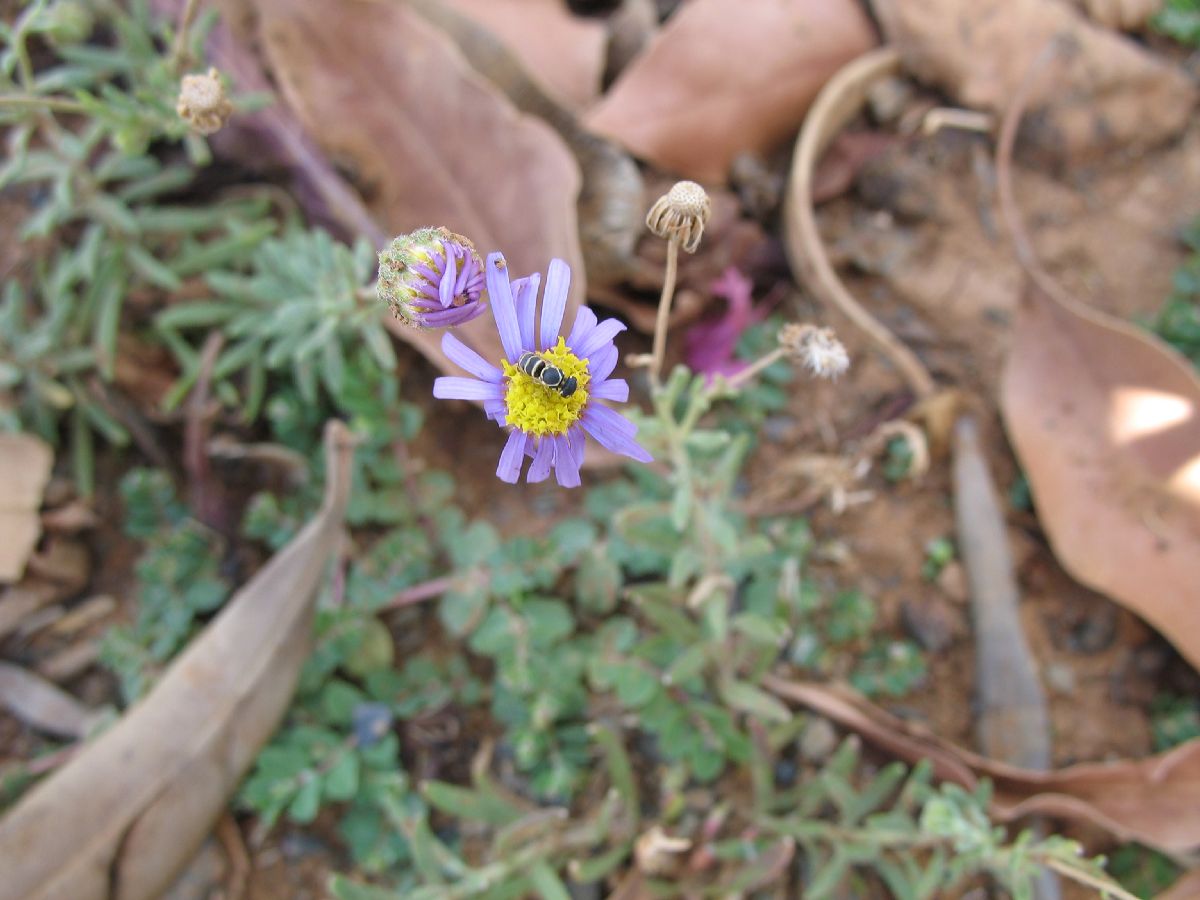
(1012, 724)
(122, 818)
(610, 202)
(567, 56)
(1106, 422)
(1128, 15)
(431, 142)
(1110, 95)
(724, 77)
(42, 705)
(25, 463)
(1155, 800)
(1187, 887)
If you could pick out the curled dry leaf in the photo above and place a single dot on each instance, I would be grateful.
(25, 463)
(429, 140)
(567, 56)
(725, 77)
(42, 705)
(610, 204)
(1155, 801)
(1186, 888)
(125, 815)
(1128, 15)
(1111, 94)
(1106, 422)
(839, 101)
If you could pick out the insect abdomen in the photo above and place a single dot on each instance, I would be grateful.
(550, 375)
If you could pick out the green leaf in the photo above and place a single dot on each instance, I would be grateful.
(465, 803)
(307, 802)
(547, 883)
(341, 780)
(750, 699)
(338, 702)
(597, 581)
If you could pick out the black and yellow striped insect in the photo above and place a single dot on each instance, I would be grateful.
(539, 369)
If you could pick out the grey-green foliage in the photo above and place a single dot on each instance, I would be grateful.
(299, 306)
(1180, 19)
(179, 582)
(101, 207)
(1178, 322)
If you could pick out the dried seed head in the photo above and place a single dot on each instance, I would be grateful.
(657, 853)
(202, 102)
(431, 278)
(681, 213)
(818, 349)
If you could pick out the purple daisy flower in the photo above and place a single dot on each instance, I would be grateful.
(431, 278)
(545, 423)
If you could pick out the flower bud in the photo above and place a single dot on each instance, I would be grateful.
(431, 278)
(66, 22)
(202, 102)
(681, 214)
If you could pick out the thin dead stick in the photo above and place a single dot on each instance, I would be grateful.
(427, 590)
(837, 103)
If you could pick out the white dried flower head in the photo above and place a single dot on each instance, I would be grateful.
(817, 349)
(681, 213)
(202, 102)
(657, 853)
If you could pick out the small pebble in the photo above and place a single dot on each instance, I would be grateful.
(952, 581)
(932, 622)
(818, 740)
(1060, 679)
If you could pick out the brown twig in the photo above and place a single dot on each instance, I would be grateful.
(838, 102)
(195, 435)
(230, 836)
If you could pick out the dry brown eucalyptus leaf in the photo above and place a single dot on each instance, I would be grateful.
(124, 816)
(1155, 800)
(1128, 15)
(25, 463)
(42, 705)
(725, 77)
(1106, 423)
(1110, 95)
(430, 142)
(567, 55)
(1186, 888)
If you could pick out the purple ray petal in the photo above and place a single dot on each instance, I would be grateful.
(566, 467)
(464, 357)
(496, 410)
(429, 274)
(525, 292)
(585, 321)
(554, 302)
(503, 310)
(543, 461)
(446, 287)
(600, 335)
(602, 363)
(614, 389)
(454, 387)
(613, 432)
(578, 443)
(456, 315)
(512, 457)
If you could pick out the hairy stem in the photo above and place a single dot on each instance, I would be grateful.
(662, 321)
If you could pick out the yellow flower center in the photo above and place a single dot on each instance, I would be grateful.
(537, 409)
